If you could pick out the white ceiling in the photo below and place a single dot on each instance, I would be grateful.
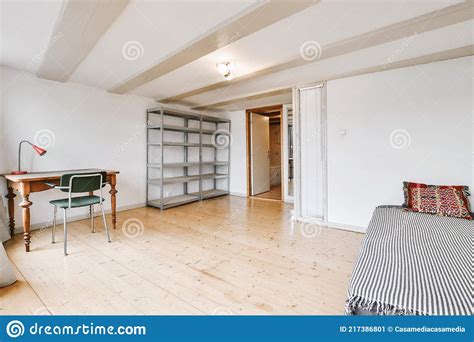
(447, 38)
(158, 28)
(26, 28)
(325, 23)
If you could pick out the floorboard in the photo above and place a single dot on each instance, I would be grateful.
(227, 255)
(274, 193)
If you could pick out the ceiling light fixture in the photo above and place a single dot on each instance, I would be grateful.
(225, 70)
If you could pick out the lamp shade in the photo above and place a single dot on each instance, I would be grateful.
(39, 150)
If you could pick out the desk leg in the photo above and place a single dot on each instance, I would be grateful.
(113, 200)
(26, 204)
(11, 210)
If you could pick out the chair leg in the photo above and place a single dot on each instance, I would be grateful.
(54, 224)
(65, 231)
(105, 222)
(91, 211)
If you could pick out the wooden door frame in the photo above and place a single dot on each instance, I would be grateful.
(273, 108)
(285, 158)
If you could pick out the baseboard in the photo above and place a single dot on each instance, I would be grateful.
(238, 194)
(357, 229)
(334, 225)
(42, 225)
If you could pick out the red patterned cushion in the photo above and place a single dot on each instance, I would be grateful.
(439, 200)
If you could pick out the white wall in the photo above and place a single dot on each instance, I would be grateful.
(4, 233)
(433, 106)
(91, 129)
(432, 102)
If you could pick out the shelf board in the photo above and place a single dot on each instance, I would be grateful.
(217, 163)
(208, 131)
(214, 175)
(186, 115)
(172, 201)
(170, 180)
(176, 128)
(174, 112)
(213, 119)
(171, 165)
(184, 179)
(171, 143)
(182, 129)
(188, 164)
(211, 193)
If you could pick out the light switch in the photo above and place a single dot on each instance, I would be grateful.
(342, 132)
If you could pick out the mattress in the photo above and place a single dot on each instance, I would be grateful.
(413, 264)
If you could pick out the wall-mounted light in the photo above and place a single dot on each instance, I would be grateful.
(225, 69)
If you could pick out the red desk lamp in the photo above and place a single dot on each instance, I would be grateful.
(38, 150)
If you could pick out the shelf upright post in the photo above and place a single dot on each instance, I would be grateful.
(216, 127)
(200, 157)
(162, 157)
(147, 153)
(185, 149)
(228, 159)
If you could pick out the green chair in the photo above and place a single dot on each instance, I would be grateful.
(79, 183)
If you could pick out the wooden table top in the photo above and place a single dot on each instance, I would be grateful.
(35, 176)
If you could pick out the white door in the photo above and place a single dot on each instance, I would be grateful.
(260, 153)
(312, 155)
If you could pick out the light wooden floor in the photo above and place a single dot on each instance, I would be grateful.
(274, 193)
(228, 255)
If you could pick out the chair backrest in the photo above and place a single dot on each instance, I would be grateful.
(83, 182)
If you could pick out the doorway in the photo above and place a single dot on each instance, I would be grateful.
(264, 152)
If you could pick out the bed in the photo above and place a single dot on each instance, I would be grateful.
(413, 264)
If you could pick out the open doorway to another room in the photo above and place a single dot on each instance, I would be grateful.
(264, 152)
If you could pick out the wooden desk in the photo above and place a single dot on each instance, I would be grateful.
(35, 182)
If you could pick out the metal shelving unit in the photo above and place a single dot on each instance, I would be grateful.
(157, 180)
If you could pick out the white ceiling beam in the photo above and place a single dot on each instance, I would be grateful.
(245, 98)
(425, 59)
(80, 25)
(237, 28)
(427, 22)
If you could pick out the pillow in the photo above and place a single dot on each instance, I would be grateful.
(407, 186)
(439, 200)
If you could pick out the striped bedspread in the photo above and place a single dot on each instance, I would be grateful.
(414, 264)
